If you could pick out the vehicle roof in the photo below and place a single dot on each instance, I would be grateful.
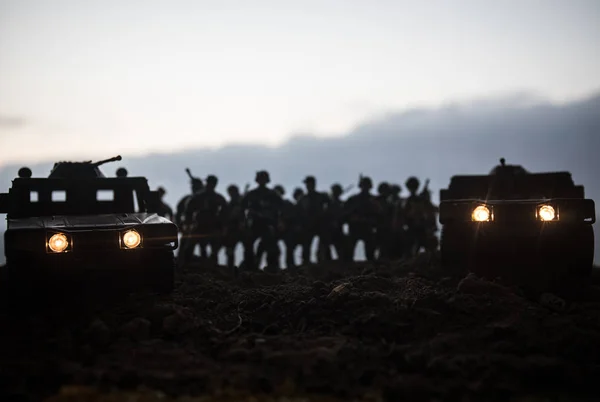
(531, 185)
(565, 177)
(89, 182)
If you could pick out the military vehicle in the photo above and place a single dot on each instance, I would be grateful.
(78, 223)
(518, 225)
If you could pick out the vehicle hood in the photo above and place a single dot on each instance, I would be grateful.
(502, 201)
(86, 221)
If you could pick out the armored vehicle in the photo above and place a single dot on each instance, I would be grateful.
(518, 225)
(78, 223)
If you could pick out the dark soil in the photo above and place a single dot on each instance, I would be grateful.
(400, 331)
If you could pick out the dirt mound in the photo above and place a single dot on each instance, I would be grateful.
(344, 332)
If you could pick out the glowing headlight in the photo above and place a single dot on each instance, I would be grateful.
(131, 239)
(546, 213)
(58, 243)
(481, 214)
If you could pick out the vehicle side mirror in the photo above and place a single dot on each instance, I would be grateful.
(4, 203)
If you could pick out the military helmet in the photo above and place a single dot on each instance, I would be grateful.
(212, 180)
(365, 182)
(383, 188)
(232, 188)
(310, 179)
(122, 172)
(262, 176)
(395, 189)
(298, 192)
(412, 183)
(279, 189)
(161, 190)
(336, 188)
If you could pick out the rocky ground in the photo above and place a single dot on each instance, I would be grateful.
(402, 331)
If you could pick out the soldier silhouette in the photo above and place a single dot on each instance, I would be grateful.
(261, 248)
(313, 208)
(164, 209)
(363, 213)
(292, 237)
(234, 219)
(397, 222)
(186, 227)
(262, 208)
(334, 231)
(384, 224)
(206, 210)
(429, 239)
(415, 217)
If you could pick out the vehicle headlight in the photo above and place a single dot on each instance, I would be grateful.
(58, 243)
(131, 239)
(481, 214)
(546, 213)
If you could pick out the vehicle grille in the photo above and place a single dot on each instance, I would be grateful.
(514, 213)
(95, 241)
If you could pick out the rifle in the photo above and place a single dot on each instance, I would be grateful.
(189, 173)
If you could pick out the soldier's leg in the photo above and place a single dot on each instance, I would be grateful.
(306, 244)
(370, 240)
(187, 251)
(248, 243)
(261, 249)
(324, 246)
(339, 242)
(353, 238)
(230, 252)
(385, 238)
(273, 250)
(411, 242)
(290, 248)
(401, 243)
(215, 244)
(326, 251)
(183, 245)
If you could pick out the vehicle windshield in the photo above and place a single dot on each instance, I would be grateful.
(525, 186)
(47, 197)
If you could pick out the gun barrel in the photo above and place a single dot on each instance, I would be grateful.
(113, 159)
(189, 173)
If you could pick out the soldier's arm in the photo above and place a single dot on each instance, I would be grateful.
(245, 202)
(180, 210)
(348, 206)
(223, 207)
(279, 204)
(189, 208)
(325, 200)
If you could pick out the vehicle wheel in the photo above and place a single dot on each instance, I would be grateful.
(160, 271)
(583, 253)
(572, 258)
(24, 284)
(456, 249)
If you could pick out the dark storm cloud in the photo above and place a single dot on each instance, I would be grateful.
(435, 144)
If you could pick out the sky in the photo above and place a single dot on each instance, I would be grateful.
(99, 78)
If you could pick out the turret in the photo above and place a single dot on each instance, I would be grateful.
(504, 169)
(80, 170)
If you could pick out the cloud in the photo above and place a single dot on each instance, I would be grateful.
(428, 143)
(7, 121)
